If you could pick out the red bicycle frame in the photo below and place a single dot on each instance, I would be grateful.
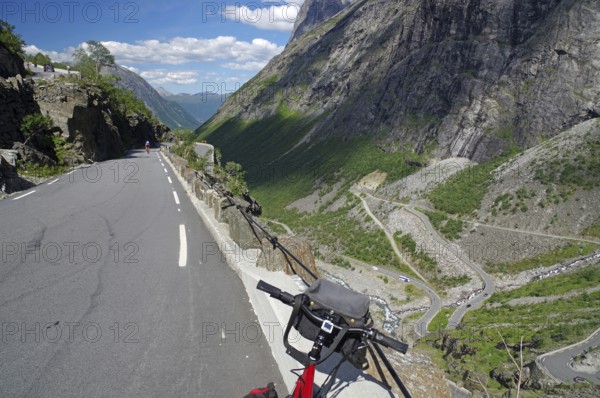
(304, 384)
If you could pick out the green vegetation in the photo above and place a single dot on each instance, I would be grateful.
(343, 263)
(440, 321)
(570, 250)
(560, 284)
(477, 345)
(449, 227)
(91, 57)
(576, 171)
(593, 230)
(335, 230)
(462, 193)
(276, 228)
(509, 202)
(231, 174)
(122, 101)
(420, 258)
(414, 316)
(306, 165)
(36, 126)
(11, 40)
(39, 59)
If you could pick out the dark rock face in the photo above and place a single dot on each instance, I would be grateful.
(315, 12)
(467, 77)
(16, 100)
(11, 64)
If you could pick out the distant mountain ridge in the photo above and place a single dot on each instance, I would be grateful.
(202, 106)
(168, 112)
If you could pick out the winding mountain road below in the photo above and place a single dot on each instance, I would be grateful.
(560, 362)
(436, 302)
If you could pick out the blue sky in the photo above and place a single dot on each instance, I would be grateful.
(184, 46)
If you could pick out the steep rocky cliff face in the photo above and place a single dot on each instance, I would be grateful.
(463, 78)
(314, 12)
(92, 129)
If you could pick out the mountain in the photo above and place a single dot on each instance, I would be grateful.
(202, 106)
(436, 78)
(315, 12)
(163, 92)
(166, 111)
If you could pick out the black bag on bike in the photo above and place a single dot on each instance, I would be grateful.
(343, 307)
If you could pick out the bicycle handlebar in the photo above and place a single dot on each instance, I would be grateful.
(275, 292)
(371, 333)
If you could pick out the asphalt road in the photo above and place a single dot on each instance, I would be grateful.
(420, 327)
(559, 363)
(111, 286)
(476, 299)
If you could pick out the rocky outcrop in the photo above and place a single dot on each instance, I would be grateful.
(9, 178)
(84, 117)
(11, 65)
(16, 100)
(466, 78)
(314, 12)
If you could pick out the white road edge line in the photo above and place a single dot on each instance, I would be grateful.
(52, 182)
(22, 196)
(182, 246)
(176, 197)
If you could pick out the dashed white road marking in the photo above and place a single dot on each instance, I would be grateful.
(170, 181)
(176, 197)
(165, 170)
(52, 182)
(22, 196)
(182, 246)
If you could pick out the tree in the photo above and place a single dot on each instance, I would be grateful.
(39, 59)
(34, 125)
(11, 40)
(92, 56)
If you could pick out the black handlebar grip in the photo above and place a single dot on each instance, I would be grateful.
(270, 289)
(275, 292)
(390, 342)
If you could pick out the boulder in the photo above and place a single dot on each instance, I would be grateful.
(275, 259)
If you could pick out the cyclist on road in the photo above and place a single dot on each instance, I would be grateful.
(147, 146)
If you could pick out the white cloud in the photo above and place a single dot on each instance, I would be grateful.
(180, 50)
(163, 76)
(274, 17)
(65, 56)
(248, 66)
